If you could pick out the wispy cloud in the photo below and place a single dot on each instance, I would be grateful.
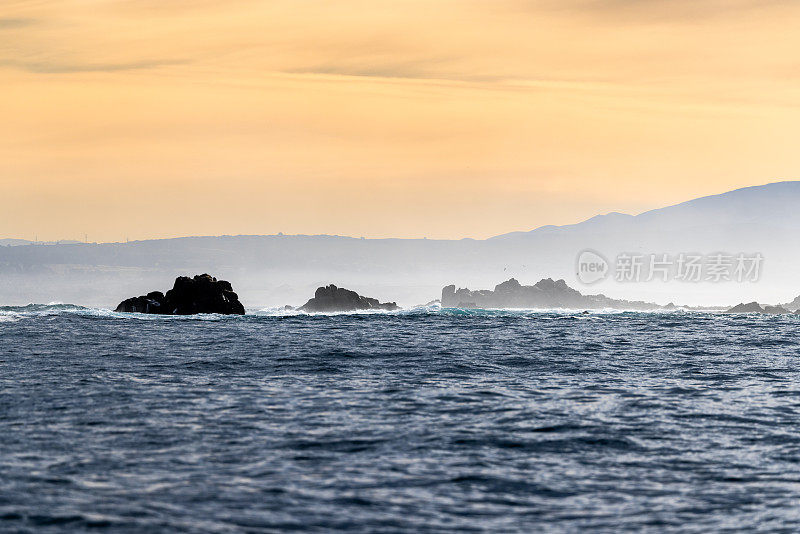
(650, 10)
(423, 69)
(54, 67)
(14, 23)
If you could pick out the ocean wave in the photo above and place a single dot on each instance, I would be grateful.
(16, 313)
(42, 308)
(12, 314)
(132, 422)
(283, 312)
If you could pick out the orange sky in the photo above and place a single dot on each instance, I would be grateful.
(406, 118)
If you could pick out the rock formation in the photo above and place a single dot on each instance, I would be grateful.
(201, 294)
(337, 299)
(751, 307)
(793, 306)
(153, 302)
(755, 307)
(546, 293)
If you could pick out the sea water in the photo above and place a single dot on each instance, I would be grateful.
(422, 420)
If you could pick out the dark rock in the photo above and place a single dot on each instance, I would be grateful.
(337, 299)
(775, 310)
(201, 294)
(546, 293)
(153, 302)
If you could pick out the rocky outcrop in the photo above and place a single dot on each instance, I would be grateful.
(755, 307)
(775, 310)
(751, 307)
(546, 293)
(153, 302)
(337, 299)
(793, 306)
(188, 296)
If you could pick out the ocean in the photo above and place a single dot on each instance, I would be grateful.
(423, 420)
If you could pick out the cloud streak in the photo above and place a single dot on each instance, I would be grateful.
(54, 67)
(438, 69)
(649, 11)
(15, 23)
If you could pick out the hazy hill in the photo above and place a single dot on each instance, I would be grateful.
(8, 242)
(274, 270)
(771, 205)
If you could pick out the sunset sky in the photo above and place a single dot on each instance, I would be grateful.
(439, 118)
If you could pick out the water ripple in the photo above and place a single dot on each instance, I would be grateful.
(424, 420)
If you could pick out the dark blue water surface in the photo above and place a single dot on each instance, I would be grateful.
(419, 421)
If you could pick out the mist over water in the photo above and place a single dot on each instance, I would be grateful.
(421, 420)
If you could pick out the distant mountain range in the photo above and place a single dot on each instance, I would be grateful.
(19, 242)
(771, 205)
(284, 269)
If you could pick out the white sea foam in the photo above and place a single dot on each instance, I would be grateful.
(9, 317)
(281, 312)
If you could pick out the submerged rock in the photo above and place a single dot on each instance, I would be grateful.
(337, 299)
(188, 296)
